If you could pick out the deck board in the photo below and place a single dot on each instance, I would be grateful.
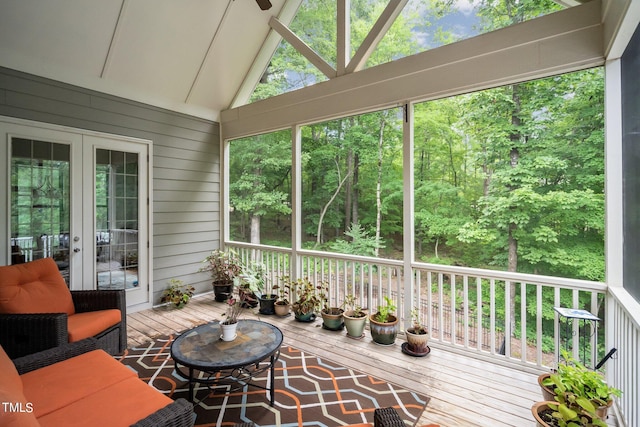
(464, 391)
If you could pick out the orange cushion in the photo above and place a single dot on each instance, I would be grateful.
(58, 385)
(34, 287)
(121, 404)
(88, 324)
(20, 413)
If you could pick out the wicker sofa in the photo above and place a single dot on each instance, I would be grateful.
(78, 384)
(37, 311)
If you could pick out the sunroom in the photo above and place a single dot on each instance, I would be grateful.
(178, 123)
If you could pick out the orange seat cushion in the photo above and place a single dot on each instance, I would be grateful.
(58, 385)
(11, 392)
(120, 404)
(34, 287)
(91, 323)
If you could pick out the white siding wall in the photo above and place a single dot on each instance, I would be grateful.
(186, 165)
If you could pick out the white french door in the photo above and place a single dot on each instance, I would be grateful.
(82, 199)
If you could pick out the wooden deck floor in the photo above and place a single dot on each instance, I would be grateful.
(464, 391)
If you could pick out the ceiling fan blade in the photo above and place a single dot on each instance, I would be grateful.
(264, 4)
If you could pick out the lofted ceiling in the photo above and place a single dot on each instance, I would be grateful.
(193, 56)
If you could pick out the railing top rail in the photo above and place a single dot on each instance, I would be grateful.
(532, 279)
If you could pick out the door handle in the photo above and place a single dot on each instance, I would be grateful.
(76, 250)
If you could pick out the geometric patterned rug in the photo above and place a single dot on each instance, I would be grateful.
(310, 391)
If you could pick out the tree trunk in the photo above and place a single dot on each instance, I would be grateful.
(348, 189)
(356, 192)
(514, 159)
(379, 185)
(255, 229)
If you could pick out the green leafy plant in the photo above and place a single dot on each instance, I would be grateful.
(417, 327)
(351, 306)
(579, 392)
(282, 292)
(223, 266)
(385, 310)
(310, 298)
(177, 293)
(253, 277)
(575, 378)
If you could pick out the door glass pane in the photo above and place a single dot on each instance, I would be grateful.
(116, 219)
(40, 202)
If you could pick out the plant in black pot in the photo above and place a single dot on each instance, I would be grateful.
(384, 323)
(253, 281)
(310, 298)
(224, 267)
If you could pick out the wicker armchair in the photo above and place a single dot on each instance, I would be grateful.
(24, 331)
(176, 414)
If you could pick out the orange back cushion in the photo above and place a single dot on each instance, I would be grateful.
(34, 287)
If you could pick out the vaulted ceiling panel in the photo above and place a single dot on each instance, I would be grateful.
(225, 59)
(160, 45)
(70, 34)
(189, 56)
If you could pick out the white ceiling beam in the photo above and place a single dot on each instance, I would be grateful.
(343, 36)
(303, 48)
(552, 44)
(376, 34)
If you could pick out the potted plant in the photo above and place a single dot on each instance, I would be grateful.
(234, 306)
(282, 304)
(574, 378)
(251, 283)
(566, 412)
(355, 318)
(177, 293)
(332, 318)
(224, 267)
(384, 324)
(310, 299)
(417, 335)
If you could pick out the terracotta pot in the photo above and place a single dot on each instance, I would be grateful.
(383, 333)
(354, 325)
(417, 342)
(549, 394)
(536, 411)
(281, 308)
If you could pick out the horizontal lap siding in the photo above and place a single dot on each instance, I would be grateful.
(186, 164)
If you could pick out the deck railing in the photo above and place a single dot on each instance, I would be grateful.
(623, 369)
(506, 318)
(465, 308)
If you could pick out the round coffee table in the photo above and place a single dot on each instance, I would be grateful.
(212, 361)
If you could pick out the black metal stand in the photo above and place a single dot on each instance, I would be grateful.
(566, 319)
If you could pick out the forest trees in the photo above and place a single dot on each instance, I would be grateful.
(510, 178)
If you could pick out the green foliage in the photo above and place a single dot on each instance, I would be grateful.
(310, 297)
(177, 293)
(361, 242)
(521, 164)
(385, 310)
